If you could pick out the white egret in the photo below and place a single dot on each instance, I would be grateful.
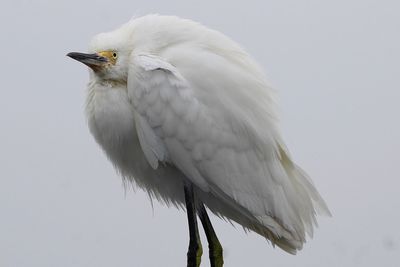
(182, 111)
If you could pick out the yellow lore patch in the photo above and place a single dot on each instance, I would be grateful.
(110, 55)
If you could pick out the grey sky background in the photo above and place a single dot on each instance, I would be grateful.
(336, 67)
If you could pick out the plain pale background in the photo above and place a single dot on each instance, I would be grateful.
(336, 67)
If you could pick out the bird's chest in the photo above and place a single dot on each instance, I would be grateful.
(110, 114)
(111, 121)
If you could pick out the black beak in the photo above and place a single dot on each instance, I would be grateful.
(94, 61)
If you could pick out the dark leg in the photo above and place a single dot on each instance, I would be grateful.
(195, 250)
(215, 248)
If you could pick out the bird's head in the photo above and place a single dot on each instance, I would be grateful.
(109, 52)
(108, 56)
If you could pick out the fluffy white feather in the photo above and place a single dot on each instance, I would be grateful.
(191, 99)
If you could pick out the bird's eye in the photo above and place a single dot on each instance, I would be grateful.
(114, 55)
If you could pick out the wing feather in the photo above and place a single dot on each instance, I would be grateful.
(220, 145)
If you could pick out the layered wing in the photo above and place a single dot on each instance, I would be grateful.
(223, 139)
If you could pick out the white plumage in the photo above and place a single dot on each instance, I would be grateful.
(185, 103)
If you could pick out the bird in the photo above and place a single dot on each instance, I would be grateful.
(186, 114)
